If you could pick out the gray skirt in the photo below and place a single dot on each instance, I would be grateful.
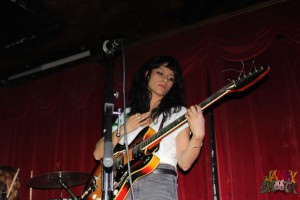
(155, 186)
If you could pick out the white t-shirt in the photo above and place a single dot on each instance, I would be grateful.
(167, 147)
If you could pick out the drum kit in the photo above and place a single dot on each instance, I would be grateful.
(59, 180)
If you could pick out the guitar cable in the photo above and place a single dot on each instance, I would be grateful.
(125, 128)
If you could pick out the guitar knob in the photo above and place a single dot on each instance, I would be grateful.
(116, 192)
(94, 196)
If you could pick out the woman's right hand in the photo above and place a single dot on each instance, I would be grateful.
(137, 120)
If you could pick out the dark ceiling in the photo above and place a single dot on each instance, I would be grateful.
(39, 31)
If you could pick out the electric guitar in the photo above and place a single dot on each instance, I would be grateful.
(142, 161)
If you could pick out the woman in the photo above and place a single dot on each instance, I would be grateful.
(156, 99)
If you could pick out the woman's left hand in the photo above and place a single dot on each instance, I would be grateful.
(196, 121)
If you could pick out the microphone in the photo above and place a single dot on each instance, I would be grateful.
(109, 45)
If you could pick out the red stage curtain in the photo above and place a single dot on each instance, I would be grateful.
(52, 123)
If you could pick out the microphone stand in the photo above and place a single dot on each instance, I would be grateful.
(107, 170)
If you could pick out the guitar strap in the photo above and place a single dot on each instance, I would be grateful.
(160, 127)
(162, 122)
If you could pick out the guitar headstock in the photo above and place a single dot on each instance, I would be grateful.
(242, 83)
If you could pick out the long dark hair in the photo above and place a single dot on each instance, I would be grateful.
(140, 95)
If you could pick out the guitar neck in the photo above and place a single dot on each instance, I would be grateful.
(180, 121)
(238, 85)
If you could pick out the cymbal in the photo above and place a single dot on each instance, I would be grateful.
(57, 180)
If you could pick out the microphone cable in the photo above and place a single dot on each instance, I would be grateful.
(124, 117)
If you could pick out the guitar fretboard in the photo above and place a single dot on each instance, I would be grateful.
(178, 122)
